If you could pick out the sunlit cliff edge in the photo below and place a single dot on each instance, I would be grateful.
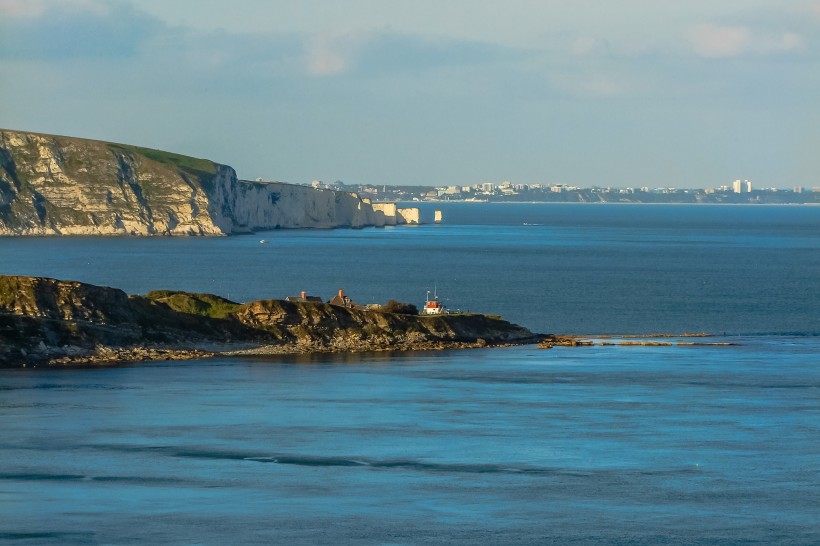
(56, 185)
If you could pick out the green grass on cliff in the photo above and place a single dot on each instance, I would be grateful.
(206, 305)
(191, 164)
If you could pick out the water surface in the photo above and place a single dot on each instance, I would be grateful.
(571, 269)
(506, 445)
(634, 445)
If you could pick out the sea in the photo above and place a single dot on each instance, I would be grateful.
(678, 444)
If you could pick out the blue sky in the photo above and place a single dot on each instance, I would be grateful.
(627, 93)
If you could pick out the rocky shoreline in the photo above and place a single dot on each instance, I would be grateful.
(631, 340)
(50, 322)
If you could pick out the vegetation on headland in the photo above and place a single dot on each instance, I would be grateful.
(400, 308)
(191, 164)
(206, 305)
(49, 321)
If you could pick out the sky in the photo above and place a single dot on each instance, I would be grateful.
(626, 93)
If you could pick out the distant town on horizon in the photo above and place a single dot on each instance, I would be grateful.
(738, 192)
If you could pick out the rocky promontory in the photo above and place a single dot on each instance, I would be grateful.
(47, 321)
(56, 185)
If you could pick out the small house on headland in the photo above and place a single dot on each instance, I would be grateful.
(341, 300)
(303, 297)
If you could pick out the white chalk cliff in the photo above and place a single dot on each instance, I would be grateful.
(52, 185)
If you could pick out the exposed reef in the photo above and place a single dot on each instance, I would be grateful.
(55, 185)
(635, 340)
(54, 322)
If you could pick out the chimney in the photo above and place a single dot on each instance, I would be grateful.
(342, 294)
(304, 295)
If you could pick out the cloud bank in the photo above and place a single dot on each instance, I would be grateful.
(718, 41)
(525, 90)
(68, 29)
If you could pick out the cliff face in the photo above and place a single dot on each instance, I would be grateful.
(46, 321)
(275, 204)
(52, 185)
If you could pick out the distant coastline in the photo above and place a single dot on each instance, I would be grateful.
(440, 201)
(738, 193)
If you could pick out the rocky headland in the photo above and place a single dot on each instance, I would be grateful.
(47, 321)
(55, 185)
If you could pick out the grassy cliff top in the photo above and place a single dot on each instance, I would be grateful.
(188, 163)
(184, 162)
(206, 305)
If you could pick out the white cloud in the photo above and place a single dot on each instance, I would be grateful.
(21, 8)
(584, 45)
(721, 41)
(36, 8)
(333, 54)
(73, 29)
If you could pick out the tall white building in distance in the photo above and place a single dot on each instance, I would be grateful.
(742, 186)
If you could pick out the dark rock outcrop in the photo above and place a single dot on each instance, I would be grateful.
(49, 321)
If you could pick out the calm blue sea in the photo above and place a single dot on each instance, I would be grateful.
(630, 445)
